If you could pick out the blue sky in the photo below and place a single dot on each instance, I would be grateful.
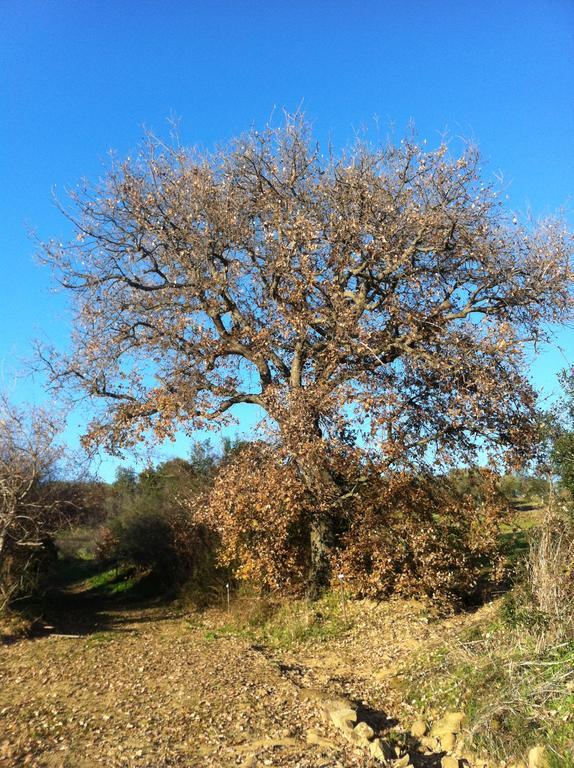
(81, 77)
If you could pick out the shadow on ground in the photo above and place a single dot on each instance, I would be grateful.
(87, 599)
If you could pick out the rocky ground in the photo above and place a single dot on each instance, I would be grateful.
(154, 687)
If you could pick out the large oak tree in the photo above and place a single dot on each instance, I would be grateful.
(380, 298)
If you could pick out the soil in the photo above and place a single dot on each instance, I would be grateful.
(150, 686)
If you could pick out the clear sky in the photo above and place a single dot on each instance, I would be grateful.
(81, 77)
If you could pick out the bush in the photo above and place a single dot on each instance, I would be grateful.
(418, 536)
(259, 509)
(31, 508)
(395, 534)
(551, 573)
(25, 572)
(151, 525)
(145, 539)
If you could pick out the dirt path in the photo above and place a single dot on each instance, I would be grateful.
(149, 692)
(148, 688)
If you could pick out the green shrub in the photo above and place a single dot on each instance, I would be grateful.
(151, 524)
(144, 538)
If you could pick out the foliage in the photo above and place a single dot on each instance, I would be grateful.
(260, 509)
(413, 535)
(559, 433)
(144, 538)
(151, 527)
(515, 487)
(563, 459)
(382, 295)
(394, 533)
(31, 507)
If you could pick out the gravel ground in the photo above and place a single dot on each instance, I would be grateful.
(152, 688)
(152, 691)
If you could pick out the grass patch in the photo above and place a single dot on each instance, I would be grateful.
(73, 570)
(227, 630)
(302, 622)
(515, 535)
(515, 693)
(90, 576)
(281, 625)
(113, 581)
(99, 638)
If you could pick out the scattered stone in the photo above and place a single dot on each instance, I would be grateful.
(450, 723)
(450, 761)
(430, 743)
(402, 762)
(343, 718)
(418, 729)
(468, 755)
(337, 702)
(538, 757)
(448, 741)
(379, 749)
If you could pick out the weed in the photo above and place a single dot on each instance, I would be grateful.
(113, 581)
(301, 622)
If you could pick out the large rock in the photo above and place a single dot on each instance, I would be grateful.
(450, 761)
(379, 749)
(418, 729)
(364, 732)
(538, 757)
(343, 719)
(447, 741)
(430, 743)
(450, 723)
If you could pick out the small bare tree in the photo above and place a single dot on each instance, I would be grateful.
(29, 511)
(380, 298)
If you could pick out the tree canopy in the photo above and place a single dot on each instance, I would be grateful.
(381, 298)
(387, 282)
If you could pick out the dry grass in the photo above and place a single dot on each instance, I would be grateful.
(550, 573)
(513, 674)
(515, 693)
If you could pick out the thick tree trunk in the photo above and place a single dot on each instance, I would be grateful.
(322, 540)
(322, 534)
(323, 490)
